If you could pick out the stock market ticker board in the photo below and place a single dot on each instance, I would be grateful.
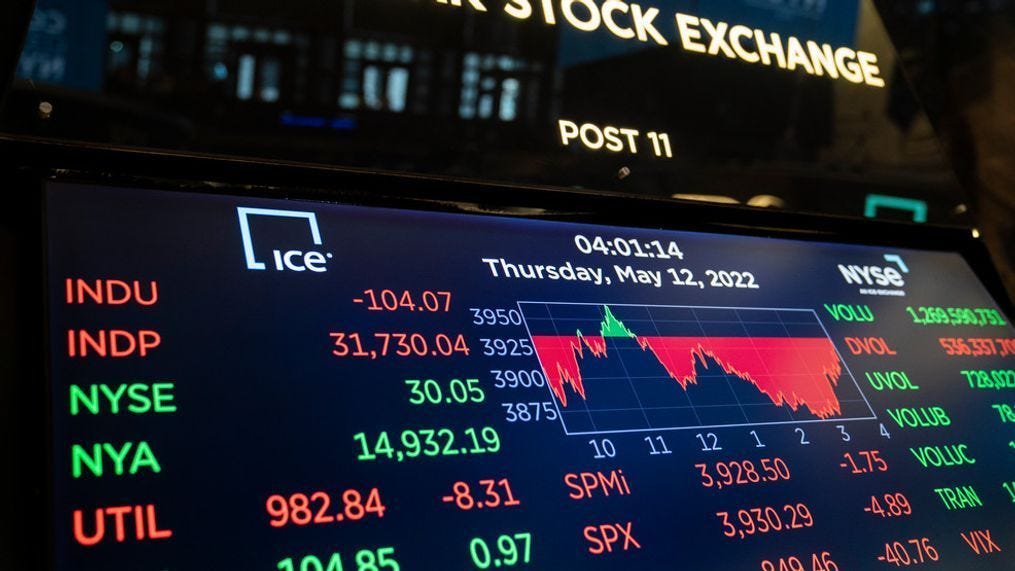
(245, 383)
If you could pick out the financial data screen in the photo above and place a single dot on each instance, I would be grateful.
(250, 383)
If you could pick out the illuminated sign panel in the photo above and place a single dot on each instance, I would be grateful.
(632, 21)
(450, 391)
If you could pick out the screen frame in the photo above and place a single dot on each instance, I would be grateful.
(30, 166)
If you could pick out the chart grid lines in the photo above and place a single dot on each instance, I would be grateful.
(693, 408)
(529, 311)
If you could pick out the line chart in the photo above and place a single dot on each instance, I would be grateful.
(697, 366)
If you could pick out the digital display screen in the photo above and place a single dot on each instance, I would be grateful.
(250, 383)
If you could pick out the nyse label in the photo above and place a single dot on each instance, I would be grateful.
(610, 538)
(118, 524)
(871, 275)
(136, 398)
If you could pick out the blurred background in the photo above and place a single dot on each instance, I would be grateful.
(958, 56)
(415, 86)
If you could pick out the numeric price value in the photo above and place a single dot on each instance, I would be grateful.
(978, 316)
(529, 411)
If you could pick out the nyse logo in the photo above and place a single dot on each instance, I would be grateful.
(289, 260)
(876, 275)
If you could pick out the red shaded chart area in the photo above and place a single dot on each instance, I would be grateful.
(797, 372)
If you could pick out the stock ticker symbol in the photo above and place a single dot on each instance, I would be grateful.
(291, 260)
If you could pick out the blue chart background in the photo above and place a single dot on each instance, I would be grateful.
(634, 392)
(264, 408)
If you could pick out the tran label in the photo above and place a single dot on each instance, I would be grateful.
(288, 260)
